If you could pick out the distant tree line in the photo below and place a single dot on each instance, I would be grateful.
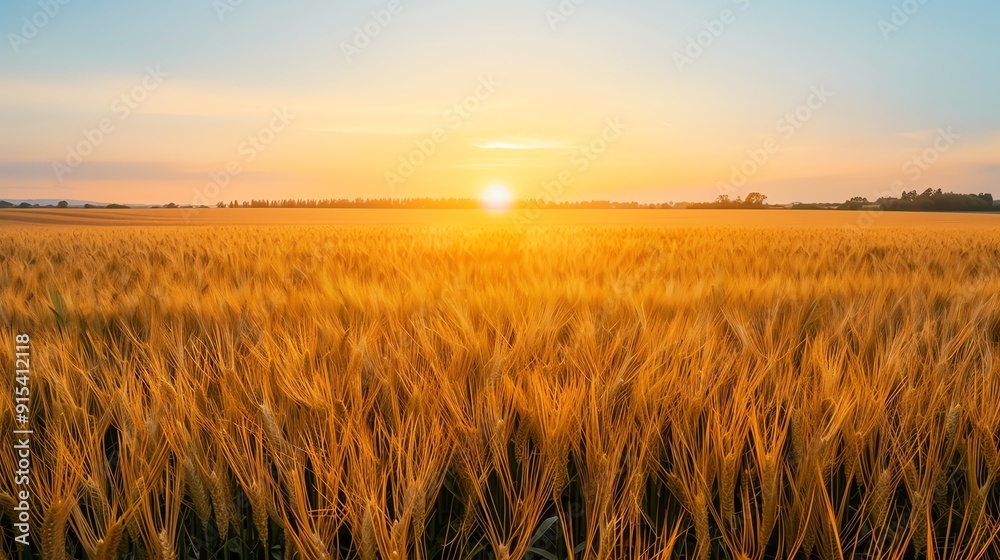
(930, 200)
(60, 204)
(753, 201)
(5, 204)
(432, 203)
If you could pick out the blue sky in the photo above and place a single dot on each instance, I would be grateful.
(355, 119)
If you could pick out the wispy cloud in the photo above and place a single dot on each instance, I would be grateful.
(520, 142)
(491, 165)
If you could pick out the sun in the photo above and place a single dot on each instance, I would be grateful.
(496, 198)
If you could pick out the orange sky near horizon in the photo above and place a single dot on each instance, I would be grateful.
(447, 100)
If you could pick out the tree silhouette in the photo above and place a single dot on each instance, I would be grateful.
(755, 199)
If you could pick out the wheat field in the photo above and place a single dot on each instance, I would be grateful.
(419, 392)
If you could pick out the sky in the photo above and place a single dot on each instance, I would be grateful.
(201, 101)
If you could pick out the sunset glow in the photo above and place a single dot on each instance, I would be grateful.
(496, 198)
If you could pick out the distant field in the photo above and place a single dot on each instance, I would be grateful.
(253, 216)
